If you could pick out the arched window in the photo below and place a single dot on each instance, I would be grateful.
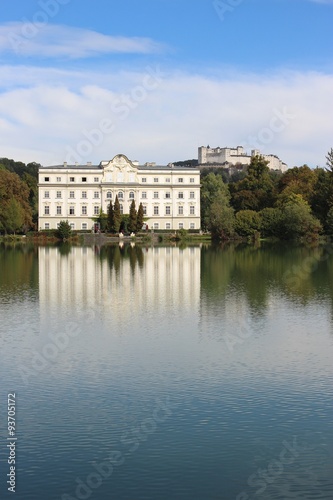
(120, 195)
(131, 195)
(109, 194)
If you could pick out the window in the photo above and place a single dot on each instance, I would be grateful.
(131, 195)
(96, 194)
(167, 179)
(144, 179)
(72, 226)
(58, 179)
(167, 210)
(96, 210)
(47, 225)
(47, 210)
(191, 179)
(155, 194)
(192, 210)
(109, 194)
(84, 226)
(46, 194)
(181, 225)
(180, 194)
(96, 179)
(84, 179)
(156, 225)
(71, 211)
(155, 179)
(192, 194)
(155, 210)
(144, 210)
(71, 194)
(180, 210)
(46, 179)
(58, 210)
(120, 195)
(121, 209)
(84, 194)
(167, 195)
(72, 179)
(84, 210)
(192, 225)
(144, 194)
(180, 179)
(168, 225)
(58, 194)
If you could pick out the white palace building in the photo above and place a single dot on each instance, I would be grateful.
(170, 195)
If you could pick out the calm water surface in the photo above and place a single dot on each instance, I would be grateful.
(200, 373)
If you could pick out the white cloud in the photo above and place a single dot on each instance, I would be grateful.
(51, 40)
(165, 119)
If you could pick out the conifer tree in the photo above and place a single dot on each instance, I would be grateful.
(110, 219)
(117, 215)
(132, 223)
(139, 218)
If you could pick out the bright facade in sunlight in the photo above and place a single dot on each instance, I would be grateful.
(170, 195)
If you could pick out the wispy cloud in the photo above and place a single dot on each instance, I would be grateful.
(183, 112)
(58, 41)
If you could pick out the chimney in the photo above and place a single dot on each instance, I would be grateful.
(65, 163)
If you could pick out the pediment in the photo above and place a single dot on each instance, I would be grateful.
(119, 163)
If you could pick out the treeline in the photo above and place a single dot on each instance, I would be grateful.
(294, 205)
(18, 195)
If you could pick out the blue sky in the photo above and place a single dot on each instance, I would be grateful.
(83, 80)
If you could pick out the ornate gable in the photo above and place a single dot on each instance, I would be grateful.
(119, 170)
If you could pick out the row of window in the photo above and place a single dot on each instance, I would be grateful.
(84, 210)
(156, 225)
(120, 195)
(120, 179)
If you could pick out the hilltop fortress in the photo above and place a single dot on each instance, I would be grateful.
(227, 157)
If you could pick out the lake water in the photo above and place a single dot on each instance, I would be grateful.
(159, 373)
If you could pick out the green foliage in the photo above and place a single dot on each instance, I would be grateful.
(221, 221)
(247, 223)
(102, 219)
(139, 218)
(116, 215)
(213, 190)
(64, 230)
(329, 222)
(132, 223)
(297, 220)
(18, 215)
(110, 219)
(270, 221)
(257, 190)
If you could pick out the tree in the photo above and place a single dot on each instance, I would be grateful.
(12, 218)
(221, 221)
(213, 190)
(139, 218)
(297, 220)
(102, 219)
(257, 190)
(132, 223)
(248, 223)
(329, 161)
(117, 215)
(110, 219)
(64, 230)
(13, 188)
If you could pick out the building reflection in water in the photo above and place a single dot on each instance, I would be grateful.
(116, 281)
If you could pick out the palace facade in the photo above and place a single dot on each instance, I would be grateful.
(170, 195)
